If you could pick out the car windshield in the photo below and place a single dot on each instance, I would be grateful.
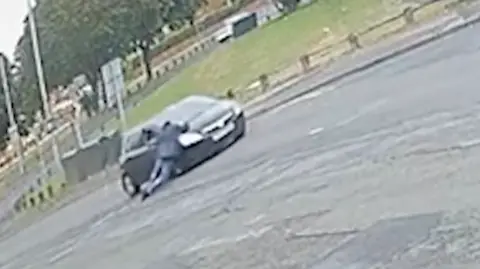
(185, 110)
(133, 141)
(182, 111)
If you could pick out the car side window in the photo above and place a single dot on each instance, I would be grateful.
(135, 142)
(131, 143)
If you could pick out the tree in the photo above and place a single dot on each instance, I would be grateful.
(75, 37)
(79, 36)
(14, 98)
(143, 21)
(185, 10)
(3, 119)
(26, 83)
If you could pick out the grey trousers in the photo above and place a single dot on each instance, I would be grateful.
(166, 167)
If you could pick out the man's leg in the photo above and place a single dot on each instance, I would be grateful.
(167, 168)
(153, 175)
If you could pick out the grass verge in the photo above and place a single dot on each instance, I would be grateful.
(264, 50)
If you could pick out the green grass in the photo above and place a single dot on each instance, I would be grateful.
(264, 50)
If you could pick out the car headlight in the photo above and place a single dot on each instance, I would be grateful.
(237, 109)
(189, 139)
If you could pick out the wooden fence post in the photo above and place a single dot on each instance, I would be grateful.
(305, 62)
(230, 94)
(408, 15)
(354, 41)
(264, 83)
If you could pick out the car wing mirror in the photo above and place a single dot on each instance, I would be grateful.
(185, 127)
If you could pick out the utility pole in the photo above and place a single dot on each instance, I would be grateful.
(13, 130)
(47, 116)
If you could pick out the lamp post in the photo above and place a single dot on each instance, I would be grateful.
(13, 129)
(47, 115)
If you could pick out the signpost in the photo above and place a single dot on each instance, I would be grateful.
(112, 75)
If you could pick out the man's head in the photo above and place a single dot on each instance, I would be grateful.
(147, 134)
(167, 124)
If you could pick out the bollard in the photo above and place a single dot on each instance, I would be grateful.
(264, 83)
(32, 202)
(50, 191)
(305, 62)
(230, 94)
(41, 197)
(408, 15)
(17, 206)
(354, 42)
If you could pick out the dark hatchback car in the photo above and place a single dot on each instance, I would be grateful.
(211, 125)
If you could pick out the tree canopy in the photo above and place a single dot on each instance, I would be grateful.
(16, 98)
(79, 36)
(3, 116)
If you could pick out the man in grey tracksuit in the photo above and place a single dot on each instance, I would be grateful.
(167, 150)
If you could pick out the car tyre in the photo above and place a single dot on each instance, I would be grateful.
(129, 187)
(243, 127)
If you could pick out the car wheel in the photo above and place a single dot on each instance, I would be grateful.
(129, 187)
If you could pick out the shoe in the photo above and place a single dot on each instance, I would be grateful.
(145, 186)
(145, 190)
(144, 196)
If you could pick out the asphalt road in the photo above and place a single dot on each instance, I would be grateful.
(377, 171)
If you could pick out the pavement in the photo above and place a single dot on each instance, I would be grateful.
(377, 170)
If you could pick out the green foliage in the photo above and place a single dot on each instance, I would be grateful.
(3, 118)
(182, 11)
(140, 23)
(79, 36)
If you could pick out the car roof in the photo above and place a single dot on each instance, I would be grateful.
(180, 111)
(184, 110)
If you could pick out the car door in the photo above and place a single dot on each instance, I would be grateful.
(197, 153)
